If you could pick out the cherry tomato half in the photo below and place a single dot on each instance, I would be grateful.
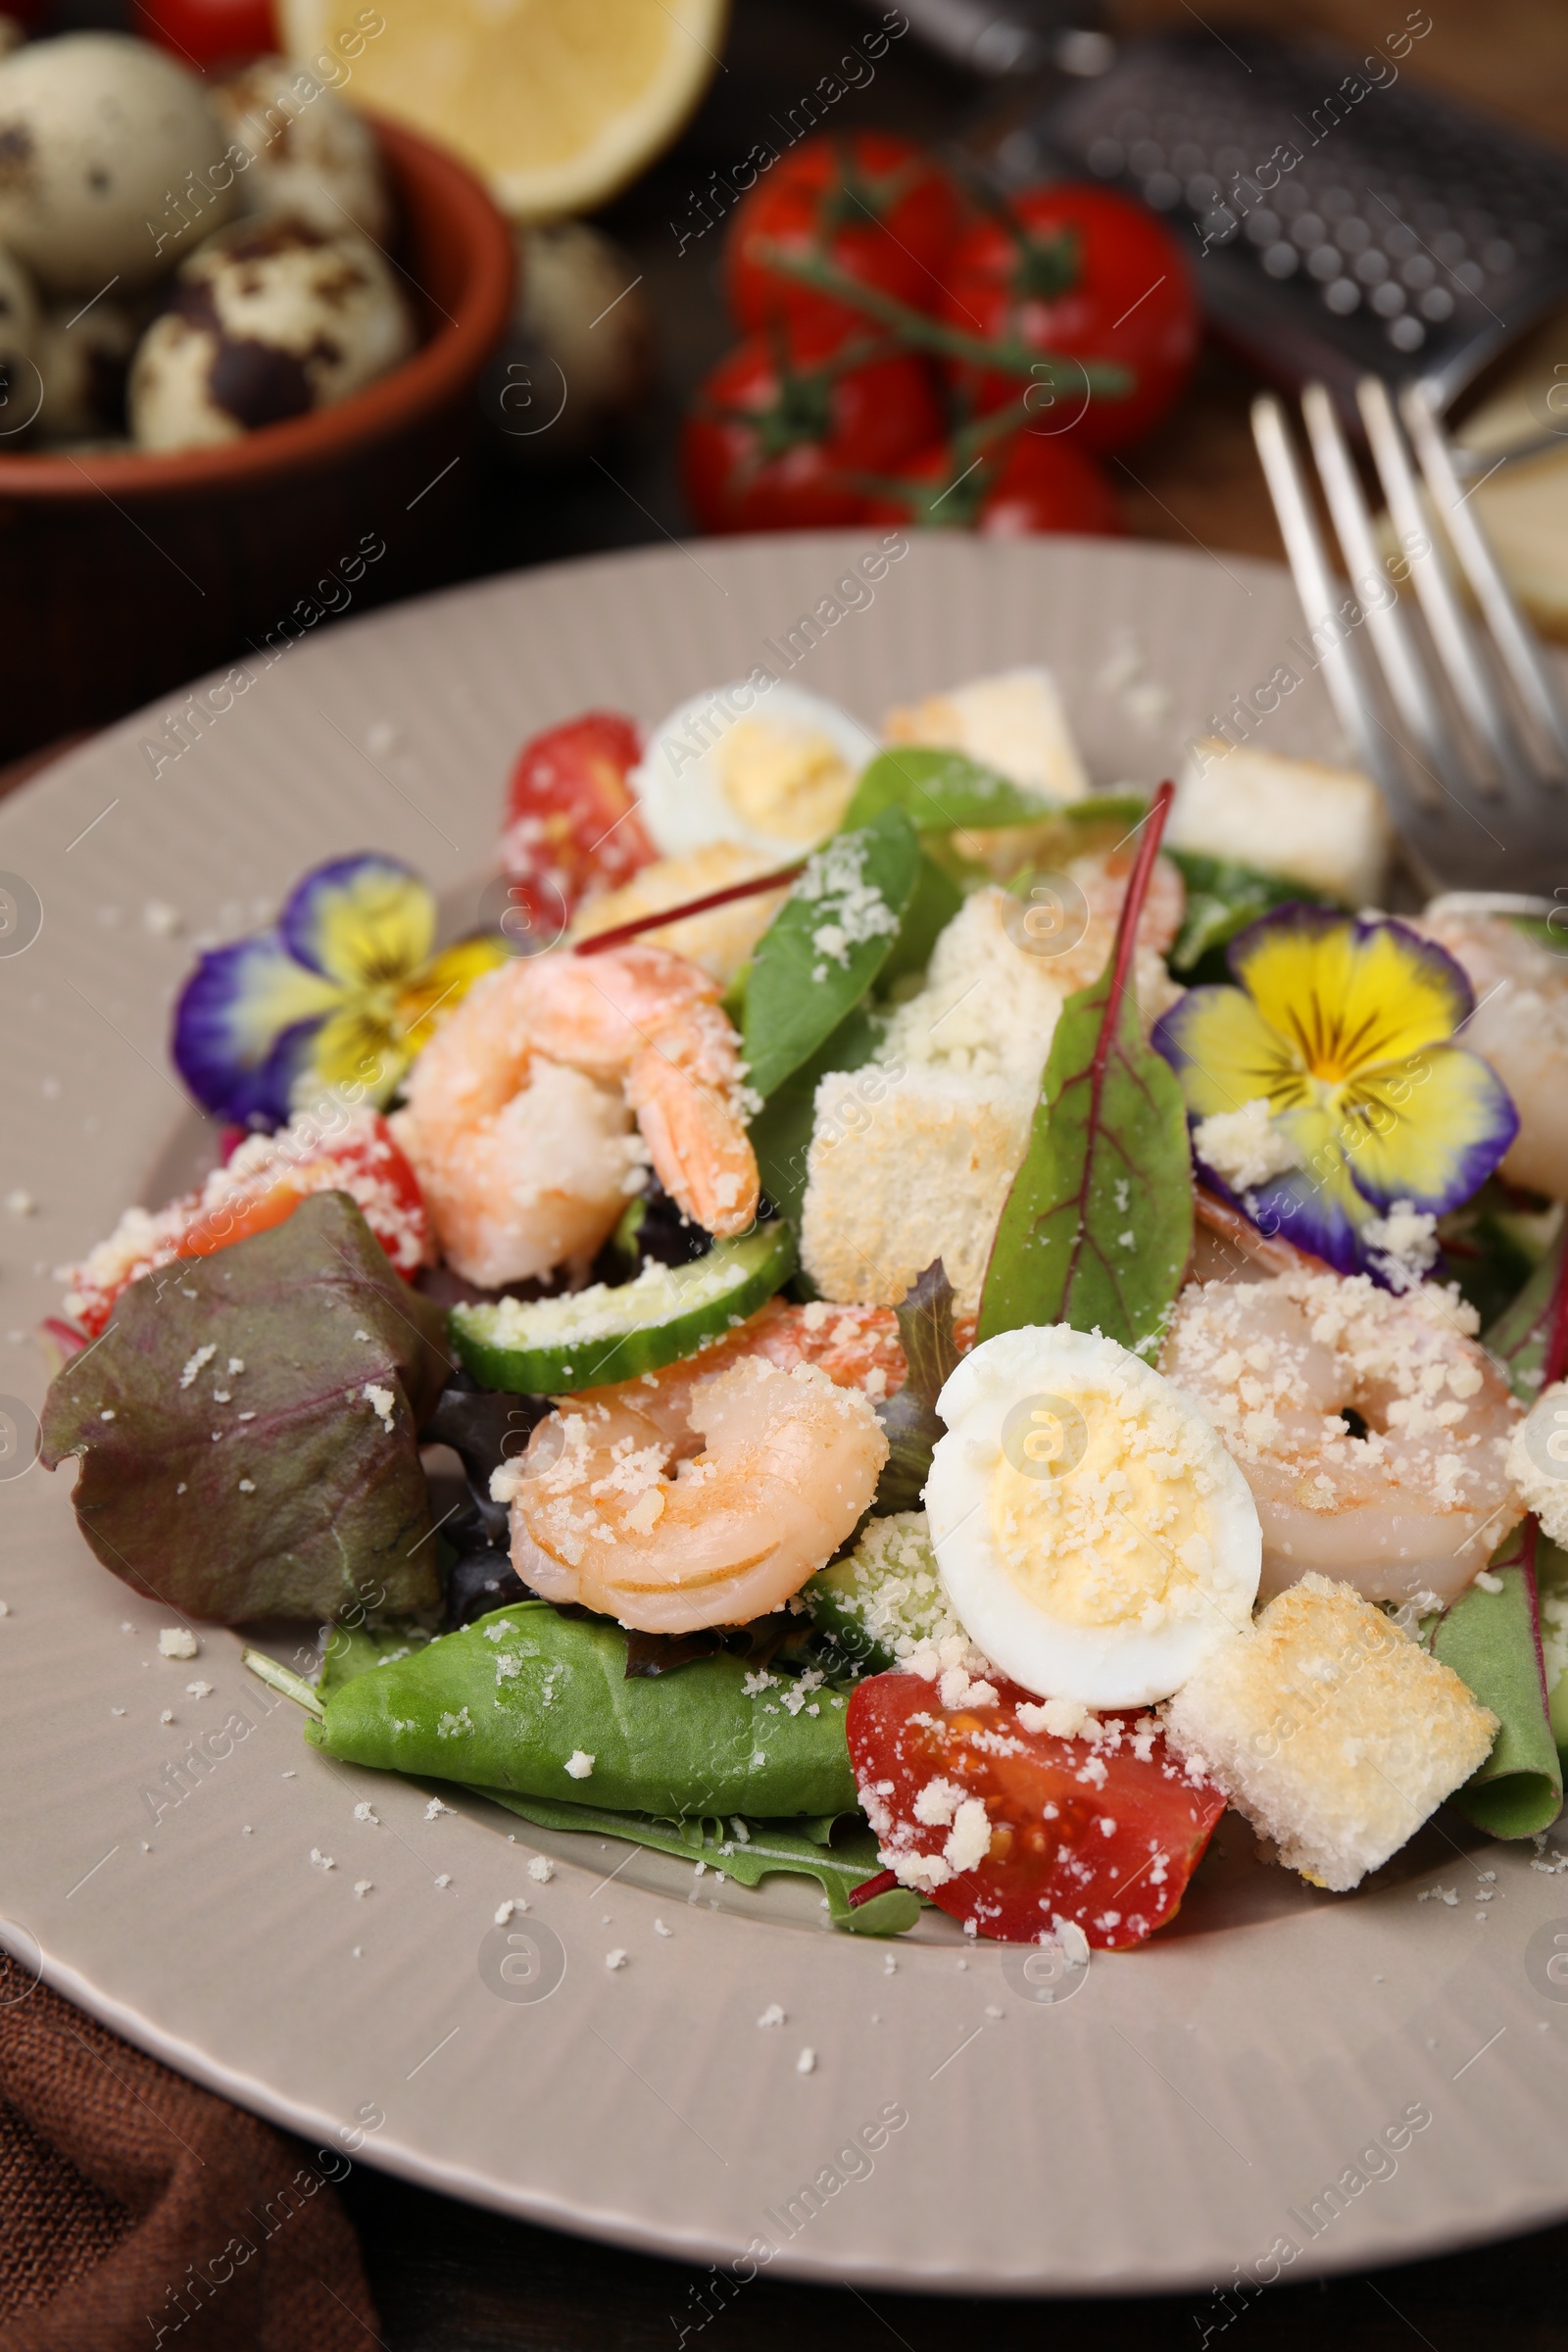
(209, 32)
(1105, 1834)
(781, 429)
(1025, 485)
(572, 823)
(277, 1173)
(878, 208)
(1083, 273)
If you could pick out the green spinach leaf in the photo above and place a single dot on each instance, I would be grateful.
(935, 901)
(781, 1132)
(943, 792)
(246, 1427)
(827, 944)
(1489, 1639)
(745, 1851)
(1223, 898)
(1097, 1228)
(508, 1701)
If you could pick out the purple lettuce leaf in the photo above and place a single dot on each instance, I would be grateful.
(283, 1487)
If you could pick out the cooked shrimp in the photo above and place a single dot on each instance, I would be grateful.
(521, 1110)
(1520, 1025)
(1291, 1371)
(668, 1527)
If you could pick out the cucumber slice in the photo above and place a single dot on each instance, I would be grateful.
(544, 1347)
(884, 1600)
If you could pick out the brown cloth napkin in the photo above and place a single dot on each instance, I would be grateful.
(137, 2210)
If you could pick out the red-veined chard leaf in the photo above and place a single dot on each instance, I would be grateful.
(910, 1416)
(1098, 1227)
(246, 1427)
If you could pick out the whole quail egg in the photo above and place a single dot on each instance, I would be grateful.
(581, 355)
(84, 357)
(310, 153)
(268, 319)
(20, 325)
(109, 153)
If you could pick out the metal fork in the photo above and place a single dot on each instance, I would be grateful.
(1478, 789)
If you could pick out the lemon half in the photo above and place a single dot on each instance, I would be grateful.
(556, 103)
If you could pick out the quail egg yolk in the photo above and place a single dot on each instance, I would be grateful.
(1105, 1523)
(790, 782)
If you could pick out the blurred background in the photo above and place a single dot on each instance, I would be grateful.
(613, 396)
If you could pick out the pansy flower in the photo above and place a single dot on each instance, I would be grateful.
(1326, 1096)
(342, 992)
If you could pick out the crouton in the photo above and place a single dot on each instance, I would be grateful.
(1014, 722)
(1333, 1731)
(720, 941)
(919, 1172)
(912, 1160)
(1324, 826)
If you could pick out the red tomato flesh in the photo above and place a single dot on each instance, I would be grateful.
(877, 208)
(1106, 1834)
(571, 824)
(263, 1183)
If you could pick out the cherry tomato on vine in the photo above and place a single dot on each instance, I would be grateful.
(878, 208)
(782, 429)
(1022, 485)
(1105, 1834)
(1081, 273)
(572, 823)
(209, 32)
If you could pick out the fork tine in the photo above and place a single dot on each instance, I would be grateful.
(1516, 640)
(1320, 597)
(1412, 688)
(1451, 630)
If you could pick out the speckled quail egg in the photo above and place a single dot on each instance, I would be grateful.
(108, 149)
(268, 319)
(1093, 1534)
(758, 762)
(19, 331)
(310, 154)
(582, 354)
(84, 357)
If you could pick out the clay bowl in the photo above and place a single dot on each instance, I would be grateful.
(125, 575)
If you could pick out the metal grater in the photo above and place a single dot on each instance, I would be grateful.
(1410, 237)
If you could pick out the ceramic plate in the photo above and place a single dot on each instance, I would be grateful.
(922, 2117)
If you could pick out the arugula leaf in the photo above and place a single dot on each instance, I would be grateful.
(1098, 1227)
(1489, 1639)
(910, 1416)
(943, 792)
(767, 1846)
(507, 1701)
(1223, 898)
(1518, 1338)
(314, 1504)
(781, 1132)
(826, 944)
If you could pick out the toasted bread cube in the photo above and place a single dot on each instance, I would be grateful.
(721, 940)
(1333, 1731)
(1324, 826)
(906, 1169)
(1014, 722)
